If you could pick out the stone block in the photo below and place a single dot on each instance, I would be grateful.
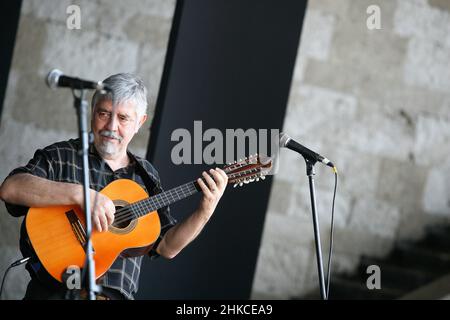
(355, 17)
(150, 66)
(22, 141)
(440, 4)
(380, 46)
(358, 172)
(358, 242)
(301, 207)
(31, 37)
(317, 34)
(149, 29)
(278, 268)
(432, 140)
(312, 109)
(115, 16)
(90, 55)
(401, 183)
(41, 107)
(405, 99)
(375, 133)
(139, 143)
(343, 263)
(417, 19)
(10, 227)
(338, 8)
(436, 195)
(375, 217)
(56, 11)
(290, 230)
(427, 65)
(335, 75)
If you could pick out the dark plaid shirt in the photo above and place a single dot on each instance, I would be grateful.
(61, 162)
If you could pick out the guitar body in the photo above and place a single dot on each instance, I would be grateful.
(54, 233)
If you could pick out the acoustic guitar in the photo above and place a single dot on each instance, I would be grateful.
(58, 237)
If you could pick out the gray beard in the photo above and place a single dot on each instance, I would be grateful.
(107, 149)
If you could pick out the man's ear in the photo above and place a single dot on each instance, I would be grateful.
(141, 122)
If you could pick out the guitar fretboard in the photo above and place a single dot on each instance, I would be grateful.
(163, 199)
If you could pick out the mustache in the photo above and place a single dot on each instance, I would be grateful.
(110, 134)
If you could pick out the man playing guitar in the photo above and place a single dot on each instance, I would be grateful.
(53, 177)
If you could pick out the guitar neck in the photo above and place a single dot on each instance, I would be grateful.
(165, 198)
(240, 172)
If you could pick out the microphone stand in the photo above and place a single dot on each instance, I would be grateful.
(310, 173)
(81, 106)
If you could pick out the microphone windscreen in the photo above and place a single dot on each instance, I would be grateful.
(284, 139)
(53, 78)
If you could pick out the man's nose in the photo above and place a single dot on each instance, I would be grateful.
(112, 124)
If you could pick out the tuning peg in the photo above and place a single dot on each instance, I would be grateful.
(257, 179)
(246, 181)
(263, 177)
(251, 180)
(240, 184)
(235, 185)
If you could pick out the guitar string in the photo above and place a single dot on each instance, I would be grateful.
(143, 203)
(165, 199)
(150, 204)
(145, 206)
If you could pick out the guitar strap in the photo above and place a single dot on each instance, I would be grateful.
(151, 185)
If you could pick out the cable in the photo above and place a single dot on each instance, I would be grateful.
(331, 232)
(12, 265)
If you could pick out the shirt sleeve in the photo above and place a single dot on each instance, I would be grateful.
(41, 165)
(167, 222)
(165, 218)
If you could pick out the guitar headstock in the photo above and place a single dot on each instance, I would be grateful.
(247, 170)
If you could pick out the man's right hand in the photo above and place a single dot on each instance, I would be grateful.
(103, 212)
(31, 191)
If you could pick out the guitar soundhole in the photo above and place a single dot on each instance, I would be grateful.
(121, 221)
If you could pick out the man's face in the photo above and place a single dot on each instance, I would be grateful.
(114, 127)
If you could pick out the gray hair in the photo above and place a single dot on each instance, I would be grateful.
(124, 86)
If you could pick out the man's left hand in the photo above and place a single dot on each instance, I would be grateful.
(212, 190)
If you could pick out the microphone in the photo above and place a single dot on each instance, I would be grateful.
(56, 78)
(287, 142)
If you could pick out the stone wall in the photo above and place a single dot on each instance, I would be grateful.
(115, 36)
(377, 103)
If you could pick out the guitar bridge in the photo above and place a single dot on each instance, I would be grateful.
(77, 227)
